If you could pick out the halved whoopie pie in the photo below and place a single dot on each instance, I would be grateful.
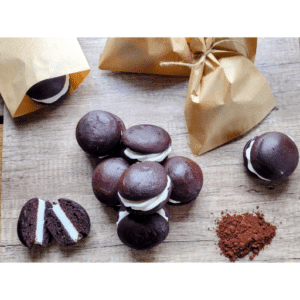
(31, 226)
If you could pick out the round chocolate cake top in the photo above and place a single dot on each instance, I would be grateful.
(142, 232)
(274, 155)
(105, 180)
(146, 139)
(98, 132)
(143, 181)
(47, 88)
(186, 177)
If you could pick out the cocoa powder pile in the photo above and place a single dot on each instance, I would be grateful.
(243, 234)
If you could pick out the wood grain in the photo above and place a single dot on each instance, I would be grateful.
(41, 158)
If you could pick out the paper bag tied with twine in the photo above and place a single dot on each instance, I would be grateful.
(27, 61)
(227, 95)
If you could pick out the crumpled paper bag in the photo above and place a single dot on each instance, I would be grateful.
(26, 61)
(227, 95)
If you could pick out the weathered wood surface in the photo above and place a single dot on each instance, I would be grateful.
(41, 158)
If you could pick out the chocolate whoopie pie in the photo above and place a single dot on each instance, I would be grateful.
(105, 180)
(146, 143)
(31, 226)
(144, 188)
(98, 133)
(51, 90)
(271, 156)
(186, 177)
(143, 232)
(67, 221)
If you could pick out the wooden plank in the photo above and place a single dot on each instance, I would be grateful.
(41, 158)
(275, 51)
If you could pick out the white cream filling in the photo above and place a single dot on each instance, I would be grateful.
(66, 222)
(145, 205)
(174, 201)
(250, 167)
(163, 214)
(158, 157)
(57, 96)
(122, 215)
(39, 233)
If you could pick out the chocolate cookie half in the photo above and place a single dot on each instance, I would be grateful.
(146, 143)
(186, 177)
(144, 188)
(51, 90)
(105, 180)
(98, 133)
(143, 232)
(31, 226)
(67, 221)
(271, 156)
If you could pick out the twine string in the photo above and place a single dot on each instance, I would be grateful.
(203, 56)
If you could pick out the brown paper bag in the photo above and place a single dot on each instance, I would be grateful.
(227, 95)
(26, 61)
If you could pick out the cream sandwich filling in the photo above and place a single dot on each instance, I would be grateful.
(145, 205)
(174, 201)
(66, 222)
(157, 157)
(57, 96)
(250, 167)
(123, 214)
(39, 233)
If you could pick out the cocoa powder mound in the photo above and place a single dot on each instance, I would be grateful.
(243, 234)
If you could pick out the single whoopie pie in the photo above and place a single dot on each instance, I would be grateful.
(31, 226)
(271, 156)
(67, 221)
(99, 133)
(143, 232)
(186, 177)
(146, 143)
(51, 90)
(144, 188)
(105, 180)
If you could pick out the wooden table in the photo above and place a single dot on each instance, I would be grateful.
(41, 158)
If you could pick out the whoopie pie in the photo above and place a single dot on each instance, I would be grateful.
(105, 180)
(143, 232)
(271, 156)
(144, 188)
(99, 133)
(186, 177)
(51, 90)
(146, 142)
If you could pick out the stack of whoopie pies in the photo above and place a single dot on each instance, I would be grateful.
(136, 176)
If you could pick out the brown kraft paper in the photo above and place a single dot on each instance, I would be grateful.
(27, 61)
(227, 95)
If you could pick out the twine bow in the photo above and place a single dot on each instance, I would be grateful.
(202, 59)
